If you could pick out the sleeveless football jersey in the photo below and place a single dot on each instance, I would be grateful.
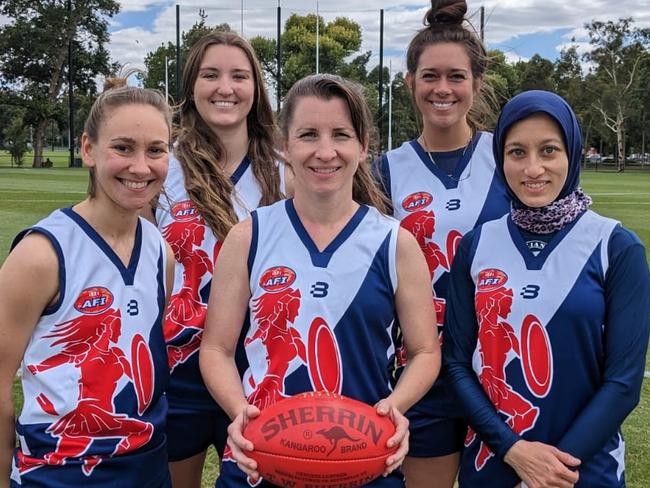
(540, 343)
(95, 369)
(319, 320)
(195, 250)
(438, 209)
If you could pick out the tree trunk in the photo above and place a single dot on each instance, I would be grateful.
(39, 137)
(620, 141)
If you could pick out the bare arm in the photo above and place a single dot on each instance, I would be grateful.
(28, 283)
(227, 307)
(414, 305)
(417, 319)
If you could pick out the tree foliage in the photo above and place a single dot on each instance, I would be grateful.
(338, 40)
(16, 136)
(34, 51)
(619, 53)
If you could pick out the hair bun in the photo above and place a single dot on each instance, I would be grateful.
(121, 79)
(445, 12)
(114, 82)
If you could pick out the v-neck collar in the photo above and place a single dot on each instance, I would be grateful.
(450, 181)
(321, 259)
(537, 262)
(241, 169)
(127, 272)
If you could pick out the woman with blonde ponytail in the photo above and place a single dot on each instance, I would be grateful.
(82, 297)
(223, 166)
(441, 186)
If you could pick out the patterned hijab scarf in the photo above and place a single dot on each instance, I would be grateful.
(572, 201)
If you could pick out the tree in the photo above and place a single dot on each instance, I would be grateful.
(502, 77)
(154, 62)
(338, 40)
(617, 52)
(34, 51)
(406, 124)
(570, 82)
(536, 74)
(16, 138)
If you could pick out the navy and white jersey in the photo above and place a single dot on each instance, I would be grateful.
(95, 369)
(438, 209)
(319, 320)
(195, 250)
(550, 353)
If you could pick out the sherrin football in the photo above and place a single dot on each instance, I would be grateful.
(320, 439)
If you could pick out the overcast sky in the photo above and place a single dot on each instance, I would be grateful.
(521, 28)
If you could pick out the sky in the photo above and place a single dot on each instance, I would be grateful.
(520, 28)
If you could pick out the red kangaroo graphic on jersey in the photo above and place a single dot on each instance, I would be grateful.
(186, 310)
(87, 345)
(273, 311)
(496, 338)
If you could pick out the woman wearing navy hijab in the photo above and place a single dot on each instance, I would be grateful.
(547, 319)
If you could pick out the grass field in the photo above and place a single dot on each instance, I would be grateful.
(27, 195)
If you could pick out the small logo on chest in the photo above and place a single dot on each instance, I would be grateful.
(184, 211)
(416, 201)
(277, 278)
(491, 279)
(94, 300)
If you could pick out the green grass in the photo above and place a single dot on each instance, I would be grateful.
(27, 195)
(59, 157)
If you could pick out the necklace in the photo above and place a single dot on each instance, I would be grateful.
(470, 142)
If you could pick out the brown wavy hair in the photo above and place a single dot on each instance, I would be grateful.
(118, 94)
(200, 151)
(446, 21)
(325, 86)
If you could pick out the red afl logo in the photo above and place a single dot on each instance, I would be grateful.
(416, 201)
(491, 279)
(184, 211)
(277, 278)
(94, 300)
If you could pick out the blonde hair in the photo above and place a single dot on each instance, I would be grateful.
(118, 94)
(364, 187)
(199, 150)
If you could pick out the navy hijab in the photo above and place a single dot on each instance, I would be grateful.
(536, 101)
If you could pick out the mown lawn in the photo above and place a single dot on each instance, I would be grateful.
(27, 195)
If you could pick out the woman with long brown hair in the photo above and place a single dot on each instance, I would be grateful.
(223, 166)
(442, 184)
(327, 264)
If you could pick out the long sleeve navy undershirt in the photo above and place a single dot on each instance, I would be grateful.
(627, 299)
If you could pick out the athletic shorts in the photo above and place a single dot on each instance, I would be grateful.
(435, 437)
(190, 432)
(142, 469)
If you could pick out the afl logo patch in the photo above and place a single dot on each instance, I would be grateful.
(416, 201)
(277, 278)
(184, 211)
(491, 279)
(94, 300)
